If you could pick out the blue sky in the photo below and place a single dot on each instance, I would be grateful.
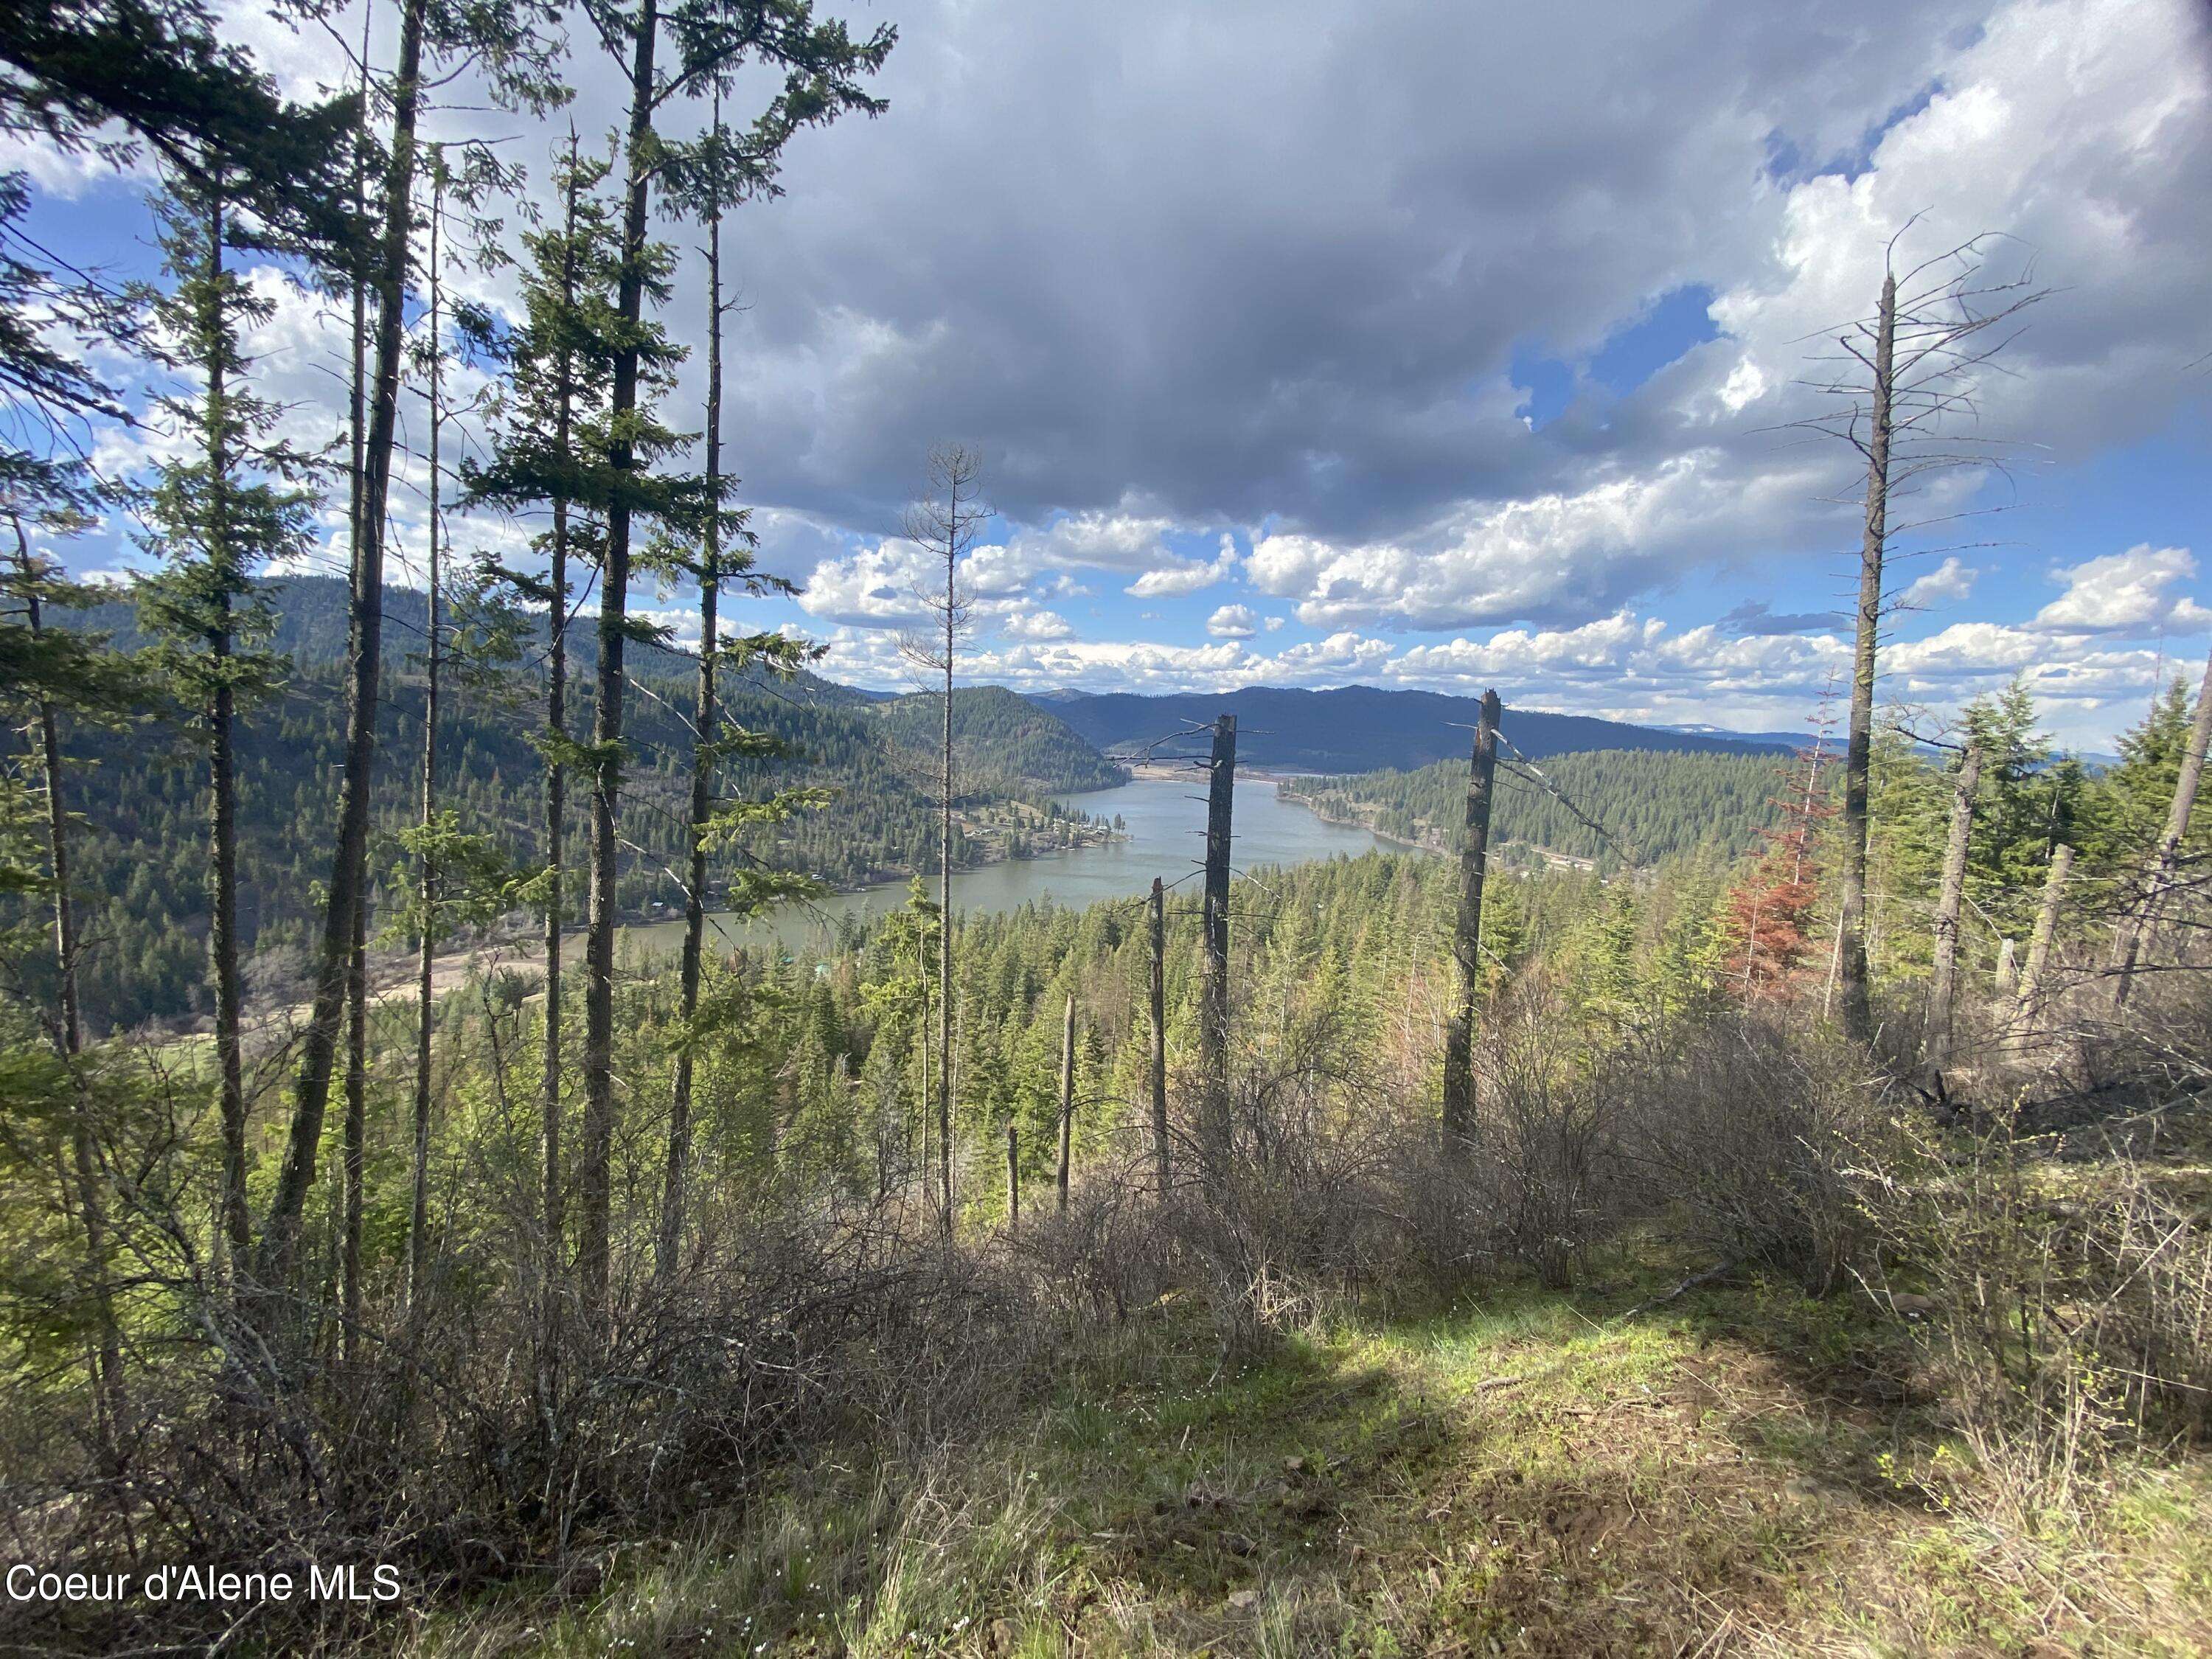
(1317, 343)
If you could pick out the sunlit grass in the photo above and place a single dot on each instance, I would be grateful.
(1521, 1472)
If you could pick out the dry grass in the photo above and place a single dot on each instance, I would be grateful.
(1744, 1471)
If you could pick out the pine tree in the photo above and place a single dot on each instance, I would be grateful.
(506, 43)
(48, 675)
(1767, 927)
(711, 173)
(236, 500)
(715, 39)
(2026, 806)
(546, 419)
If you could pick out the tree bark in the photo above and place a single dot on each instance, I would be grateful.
(1467, 937)
(68, 1040)
(1942, 982)
(353, 1142)
(354, 1147)
(222, 789)
(595, 1175)
(426, 891)
(2142, 920)
(556, 807)
(702, 793)
(1851, 951)
(2047, 928)
(944, 896)
(277, 1259)
(1161, 1168)
(1213, 1001)
(1013, 1176)
(1067, 1099)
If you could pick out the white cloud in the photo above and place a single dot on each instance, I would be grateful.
(1105, 541)
(1623, 666)
(1554, 557)
(1037, 625)
(1186, 575)
(2127, 593)
(1951, 579)
(879, 586)
(1233, 622)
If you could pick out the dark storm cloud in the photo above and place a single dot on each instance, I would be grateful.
(1244, 260)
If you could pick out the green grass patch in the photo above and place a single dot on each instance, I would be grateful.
(1523, 1473)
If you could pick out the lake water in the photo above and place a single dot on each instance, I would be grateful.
(1163, 822)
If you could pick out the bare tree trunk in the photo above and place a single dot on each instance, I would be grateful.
(2047, 928)
(1067, 1098)
(1467, 937)
(595, 1174)
(353, 1142)
(426, 892)
(2141, 922)
(354, 1147)
(222, 805)
(1159, 1009)
(280, 1232)
(1213, 991)
(1013, 1176)
(922, 1115)
(946, 522)
(556, 807)
(1851, 954)
(703, 779)
(68, 1039)
(1942, 982)
(945, 905)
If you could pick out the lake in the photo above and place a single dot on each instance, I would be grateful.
(1164, 824)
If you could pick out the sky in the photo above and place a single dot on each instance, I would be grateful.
(1315, 342)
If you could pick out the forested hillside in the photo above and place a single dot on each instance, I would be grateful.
(1355, 728)
(141, 861)
(1003, 742)
(1654, 803)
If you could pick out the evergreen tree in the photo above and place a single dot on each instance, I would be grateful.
(715, 39)
(2025, 806)
(234, 500)
(544, 419)
(724, 557)
(50, 677)
(506, 43)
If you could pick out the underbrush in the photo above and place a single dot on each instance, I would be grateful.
(1522, 1471)
(1693, 1342)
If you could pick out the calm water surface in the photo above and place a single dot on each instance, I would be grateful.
(1164, 822)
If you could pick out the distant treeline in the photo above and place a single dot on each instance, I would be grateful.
(1654, 803)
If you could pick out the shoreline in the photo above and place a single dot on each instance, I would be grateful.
(392, 980)
(1355, 822)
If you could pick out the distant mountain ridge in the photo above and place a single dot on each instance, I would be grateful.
(1360, 728)
(311, 612)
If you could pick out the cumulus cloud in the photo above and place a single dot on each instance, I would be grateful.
(1037, 625)
(1186, 575)
(2127, 593)
(1951, 579)
(1389, 424)
(1233, 622)
(879, 585)
(1552, 557)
